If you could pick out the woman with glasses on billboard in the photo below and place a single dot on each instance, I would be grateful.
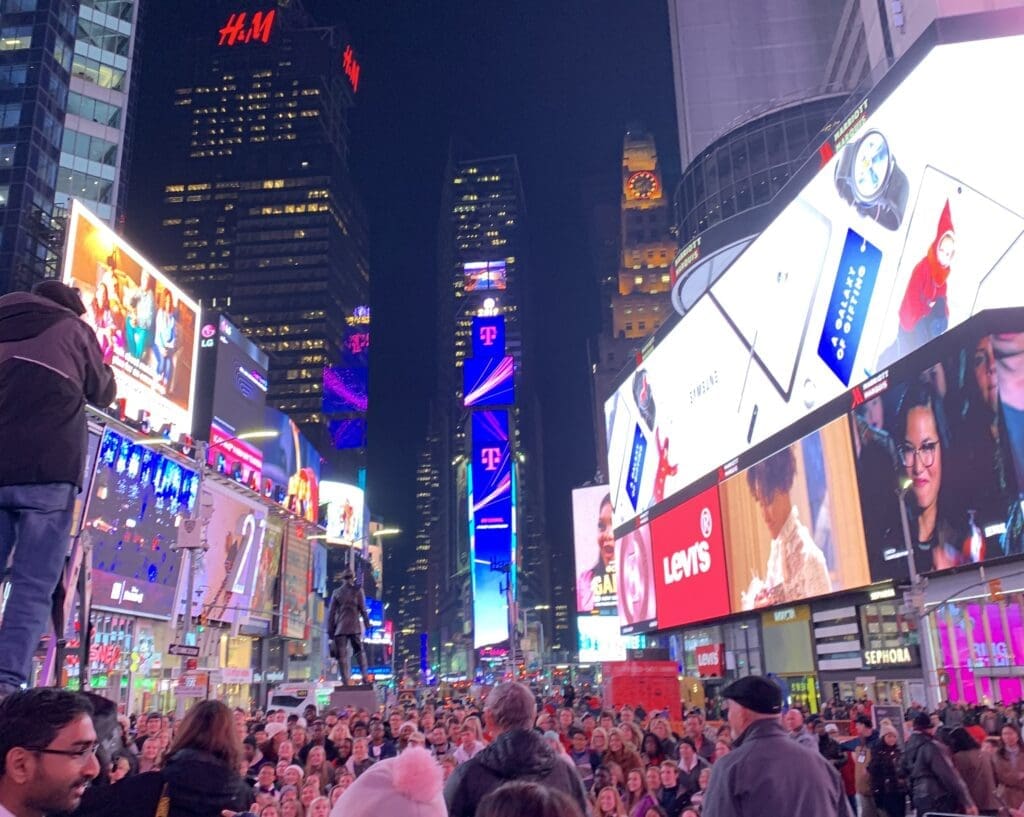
(922, 438)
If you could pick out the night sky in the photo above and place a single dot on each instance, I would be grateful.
(553, 82)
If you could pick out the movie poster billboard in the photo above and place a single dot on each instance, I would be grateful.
(792, 523)
(264, 596)
(137, 501)
(226, 570)
(897, 238)
(145, 325)
(296, 578)
(594, 545)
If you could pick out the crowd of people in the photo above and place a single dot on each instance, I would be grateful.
(511, 755)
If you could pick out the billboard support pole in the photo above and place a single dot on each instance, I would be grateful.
(917, 588)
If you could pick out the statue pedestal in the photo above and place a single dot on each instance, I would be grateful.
(358, 696)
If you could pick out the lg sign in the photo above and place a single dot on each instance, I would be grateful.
(689, 556)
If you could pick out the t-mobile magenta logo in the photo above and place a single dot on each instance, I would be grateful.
(490, 458)
(488, 334)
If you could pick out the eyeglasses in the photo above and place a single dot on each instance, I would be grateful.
(81, 755)
(926, 454)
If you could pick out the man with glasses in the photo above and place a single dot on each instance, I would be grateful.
(47, 752)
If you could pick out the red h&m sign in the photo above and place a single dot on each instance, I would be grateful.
(351, 67)
(711, 660)
(241, 28)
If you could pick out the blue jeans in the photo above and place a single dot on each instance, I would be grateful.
(34, 524)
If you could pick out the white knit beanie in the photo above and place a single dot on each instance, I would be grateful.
(405, 786)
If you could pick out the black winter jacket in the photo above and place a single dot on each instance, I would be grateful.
(199, 785)
(934, 783)
(520, 754)
(50, 366)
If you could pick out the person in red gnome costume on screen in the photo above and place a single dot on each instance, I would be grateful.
(924, 312)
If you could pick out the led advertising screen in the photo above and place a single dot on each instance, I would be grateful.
(296, 575)
(634, 568)
(346, 388)
(953, 426)
(489, 336)
(347, 433)
(690, 579)
(345, 508)
(137, 500)
(226, 571)
(594, 546)
(485, 275)
(231, 399)
(599, 640)
(488, 381)
(291, 467)
(264, 596)
(492, 525)
(901, 235)
(376, 633)
(793, 523)
(146, 326)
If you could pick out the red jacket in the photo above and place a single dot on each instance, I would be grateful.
(928, 280)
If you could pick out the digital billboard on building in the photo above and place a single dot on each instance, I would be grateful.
(492, 525)
(146, 326)
(291, 467)
(594, 547)
(899, 236)
(137, 502)
(345, 508)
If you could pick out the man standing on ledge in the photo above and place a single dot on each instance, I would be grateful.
(347, 612)
(766, 772)
(50, 367)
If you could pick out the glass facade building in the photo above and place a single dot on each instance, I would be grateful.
(746, 167)
(262, 219)
(36, 48)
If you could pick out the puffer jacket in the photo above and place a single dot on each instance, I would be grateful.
(934, 784)
(198, 785)
(519, 754)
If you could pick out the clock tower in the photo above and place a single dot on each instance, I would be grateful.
(641, 302)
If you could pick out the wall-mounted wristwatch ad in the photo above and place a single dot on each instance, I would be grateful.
(868, 178)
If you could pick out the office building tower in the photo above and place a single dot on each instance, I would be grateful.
(484, 390)
(96, 147)
(37, 42)
(260, 217)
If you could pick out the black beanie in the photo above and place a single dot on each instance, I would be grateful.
(60, 294)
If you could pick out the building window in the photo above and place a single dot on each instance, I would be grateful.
(10, 115)
(13, 76)
(638, 280)
(15, 38)
(5, 191)
(6, 155)
(94, 110)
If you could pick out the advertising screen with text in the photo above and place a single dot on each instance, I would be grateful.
(901, 235)
(690, 578)
(595, 550)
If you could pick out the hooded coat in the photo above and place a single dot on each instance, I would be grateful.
(519, 754)
(198, 785)
(924, 311)
(50, 367)
(934, 784)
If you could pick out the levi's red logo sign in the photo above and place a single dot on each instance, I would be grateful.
(689, 562)
(710, 660)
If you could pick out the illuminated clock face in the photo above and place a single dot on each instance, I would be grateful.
(643, 184)
(871, 165)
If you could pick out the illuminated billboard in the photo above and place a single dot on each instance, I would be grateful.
(899, 236)
(489, 336)
(594, 547)
(482, 275)
(792, 522)
(231, 399)
(226, 570)
(345, 510)
(291, 467)
(690, 577)
(599, 640)
(488, 381)
(296, 581)
(137, 500)
(634, 571)
(346, 388)
(264, 595)
(347, 433)
(492, 525)
(145, 325)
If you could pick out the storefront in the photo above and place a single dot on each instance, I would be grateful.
(976, 621)
(711, 656)
(866, 647)
(788, 654)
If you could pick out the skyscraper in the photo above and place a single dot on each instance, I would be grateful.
(483, 392)
(37, 40)
(261, 218)
(95, 153)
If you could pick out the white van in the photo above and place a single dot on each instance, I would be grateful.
(294, 697)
